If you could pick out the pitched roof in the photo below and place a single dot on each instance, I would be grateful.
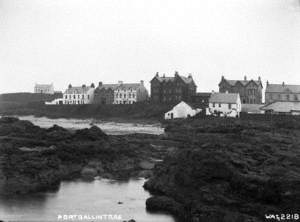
(224, 98)
(280, 88)
(77, 90)
(186, 80)
(43, 85)
(203, 94)
(128, 86)
(108, 86)
(283, 107)
(243, 82)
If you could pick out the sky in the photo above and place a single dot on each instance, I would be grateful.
(85, 41)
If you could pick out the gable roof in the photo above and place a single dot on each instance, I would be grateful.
(187, 80)
(283, 107)
(128, 86)
(78, 90)
(107, 86)
(242, 82)
(224, 98)
(43, 85)
(280, 88)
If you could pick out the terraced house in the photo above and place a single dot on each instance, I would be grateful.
(76, 95)
(250, 90)
(282, 92)
(172, 89)
(129, 93)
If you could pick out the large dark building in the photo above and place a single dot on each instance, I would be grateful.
(250, 90)
(172, 89)
(104, 93)
(201, 99)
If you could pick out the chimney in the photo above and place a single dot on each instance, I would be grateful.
(259, 79)
(100, 84)
(283, 84)
(120, 82)
(176, 73)
(245, 78)
(157, 74)
(213, 92)
(92, 85)
(70, 86)
(164, 75)
(190, 76)
(267, 82)
(83, 86)
(223, 77)
(142, 82)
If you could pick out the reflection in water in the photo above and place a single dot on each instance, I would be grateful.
(94, 198)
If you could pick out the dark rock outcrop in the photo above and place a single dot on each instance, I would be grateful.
(235, 175)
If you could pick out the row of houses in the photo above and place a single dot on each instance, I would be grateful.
(233, 97)
(119, 93)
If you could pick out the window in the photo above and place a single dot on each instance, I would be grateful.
(70, 97)
(82, 96)
(229, 106)
(66, 96)
(88, 96)
(133, 95)
(219, 105)
(287, 97)
(214, 105)
(74, 97)
(295, 98)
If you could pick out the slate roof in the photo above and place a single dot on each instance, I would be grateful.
(43, 85)
(128, 86)
(281, 88)
(224, 98)
(251, 108)
(243, 82)
(187, 80)
(284, 107)
(77, 90)
(108, 86)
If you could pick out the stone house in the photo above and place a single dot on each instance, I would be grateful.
(250, 91)
(129, 93)
(172, 89)
(44, 88)
(76, 95)
(282, 92)
(224, 105)
(104, 93)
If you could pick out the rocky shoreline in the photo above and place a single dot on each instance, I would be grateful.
(228, 171)
(223, 170)
(34, 159)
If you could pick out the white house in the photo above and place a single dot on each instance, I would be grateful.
(79, 94)
(44, 88)
(75, 95)
(224, 104)
(129, 93)
(182, 110)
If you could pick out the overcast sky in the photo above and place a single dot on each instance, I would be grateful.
(84, 41)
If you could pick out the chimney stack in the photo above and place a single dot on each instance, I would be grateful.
(120, 82)
(259, 79)
(83, 86)
(190, 76)
(70, 86)
(267, 82)
(157, 74)
(142, 82)
(245, 78)
(283, 84)
(176, 73)
(223, 77)
(100, 84)
(92, 85)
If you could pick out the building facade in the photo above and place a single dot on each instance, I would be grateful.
(250, 90)
(76, 95)
(282, 92)
(44, 88)
(172, 89)
(129, 93)
(104, 93)
(224, 104)
(182, 110)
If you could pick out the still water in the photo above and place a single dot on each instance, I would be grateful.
(112, 128)
(86, 198)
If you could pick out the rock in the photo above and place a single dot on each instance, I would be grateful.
(146, 165)
(163, 203)
(88, 173)
(145, 174)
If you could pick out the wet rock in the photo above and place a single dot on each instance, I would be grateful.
(88, 173)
